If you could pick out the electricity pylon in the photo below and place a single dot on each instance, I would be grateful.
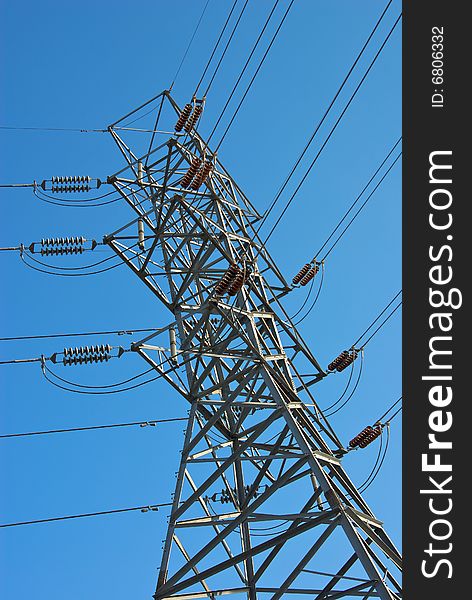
(262, 506)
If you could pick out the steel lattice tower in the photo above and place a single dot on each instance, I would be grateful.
(262, 506)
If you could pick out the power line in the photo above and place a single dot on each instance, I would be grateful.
(373, 476)
(92, 427)
(382, 324)
(395, 414)
(358, 198)
(104, 270)
(327, 111)
(78, 334)
(149, 507)
(347, 227)
(389, 409)
(353, 391)
(255, 74)
(58, 268)
(77, 200)
(72, 129)
(243, 71)
(99, 390)
(361, 207)
(313, 304)
(333, 129)
(69, 203)
(19, 361)
(215, 47)
(345, 390)
(377, 466)
(189, 45)
(16, 185)
(226, 48)
(376, 319)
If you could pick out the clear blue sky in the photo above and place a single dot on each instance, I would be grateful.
(84, 64)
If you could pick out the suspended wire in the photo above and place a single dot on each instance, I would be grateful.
(148, 112)
(16, 185)
(24, 253)
(395, 414)
(353, 391)
(327, 111)
(261, 62)
(216, 46)
(226, 48)
(106, 389)
(243, 71)
(374, 468)
(376, 319)
(22, 256)
(382, 324)
(380, 465)
(86, 131)
(101, 387)
(313, 304)
(379, 420)
(75, 204)
(91, 428)
(93, 392)
(277, 527)
(81, 268)
(80, 334)
(361, 207)
(346, 387)
(284, 522)
(149, 507)
(310, 289)
(77, 200)
(54, 129)
(19, 361)
(359, 196)
(377, 468)
(189, 45)
(380, 457)
(333, 129)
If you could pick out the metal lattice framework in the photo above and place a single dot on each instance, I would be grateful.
(262, 506)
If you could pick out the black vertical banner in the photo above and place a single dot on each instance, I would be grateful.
(437, 240)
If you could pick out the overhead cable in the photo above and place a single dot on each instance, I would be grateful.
(78, 334)
(261, 62)
(215, 47)
(379, 183)
(189, 44)
(359, 196)
(376, 319)
(226, 48)
(146, 508)
(333, 129)
(242, 71)
(327, 111)
(92, 428)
